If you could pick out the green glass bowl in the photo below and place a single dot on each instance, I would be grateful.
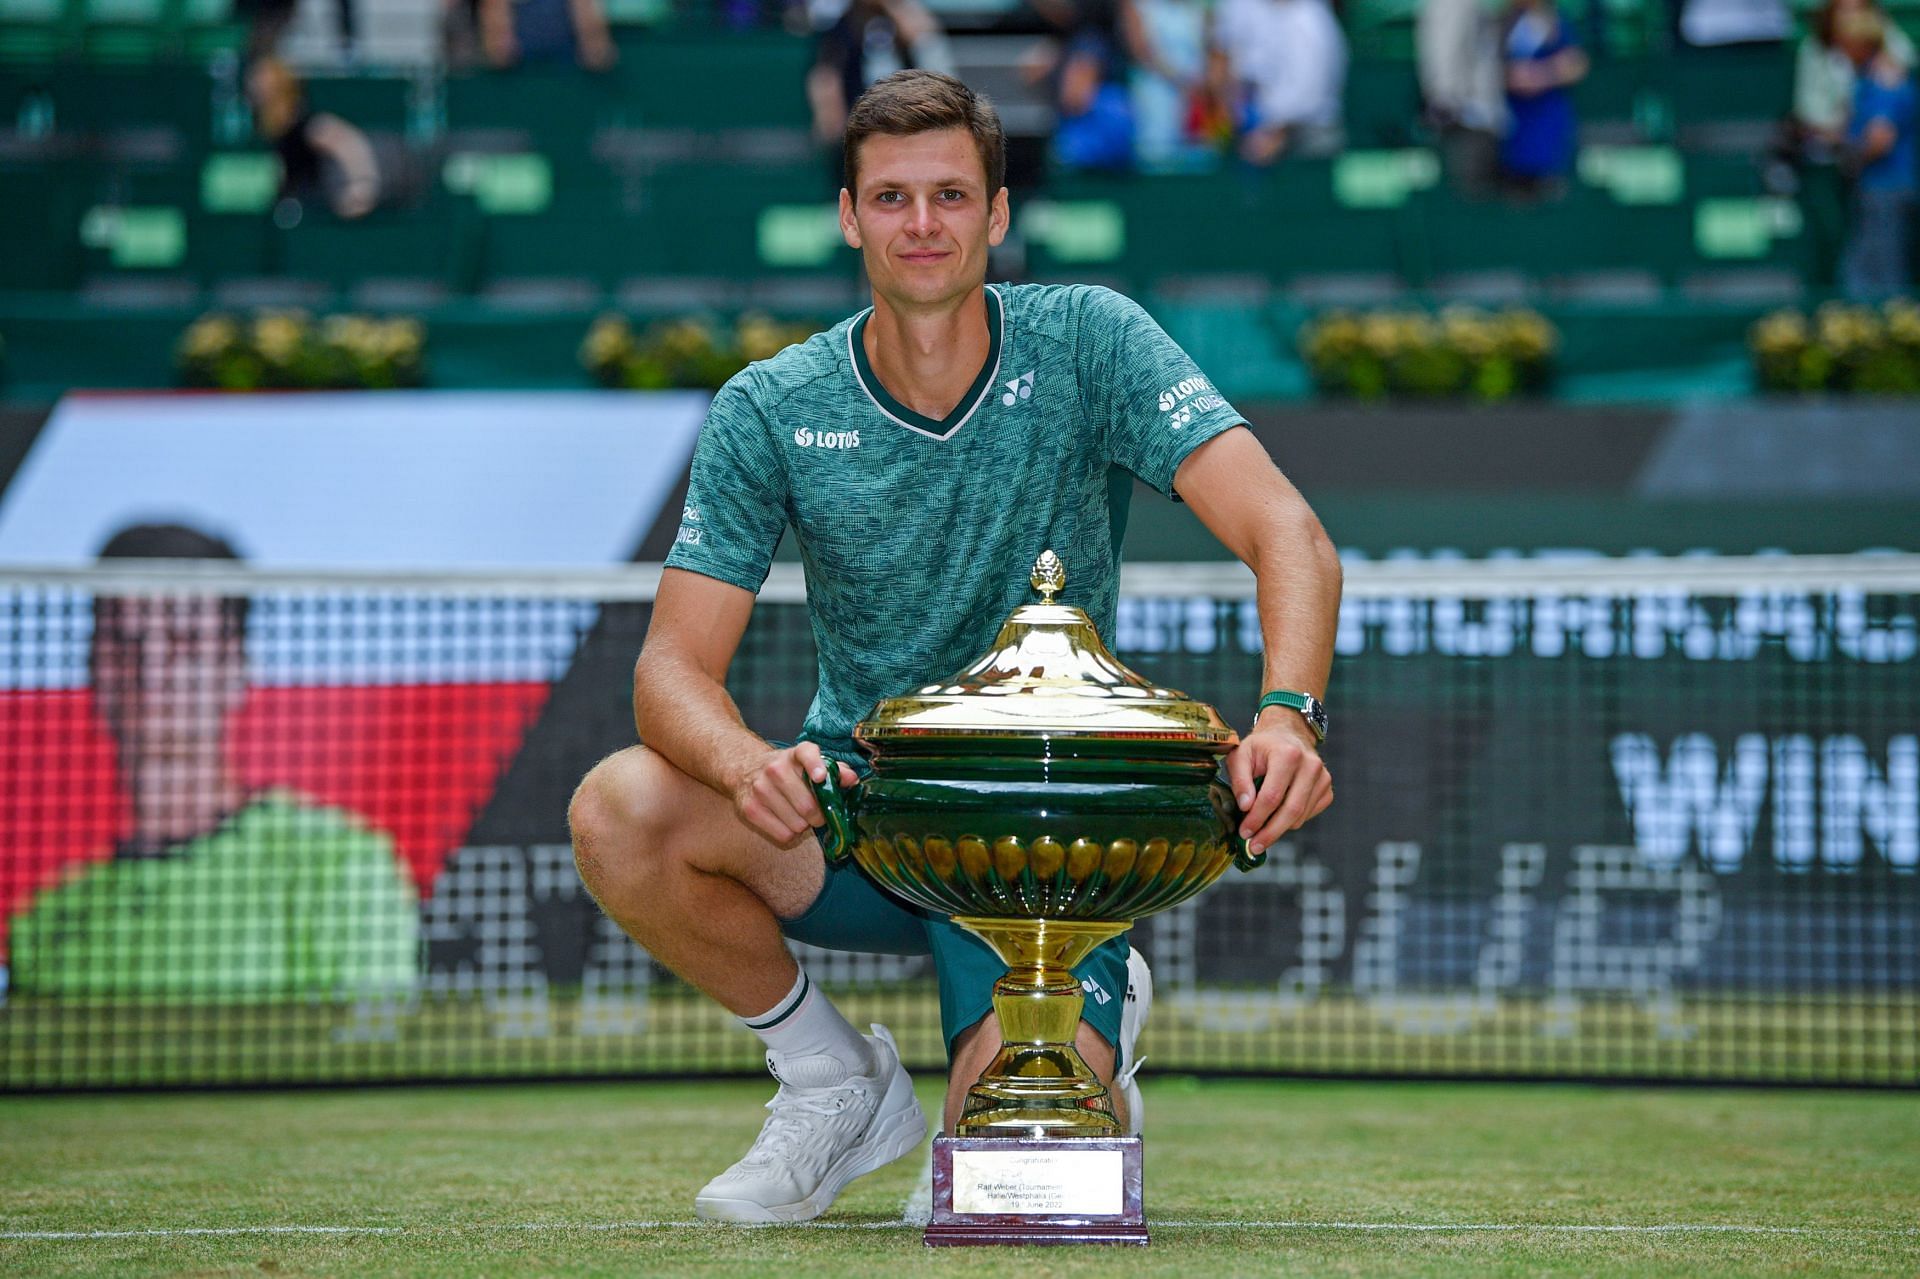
(1069, 830)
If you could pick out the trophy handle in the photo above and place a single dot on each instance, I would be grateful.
(836, 834)
(1242, 859)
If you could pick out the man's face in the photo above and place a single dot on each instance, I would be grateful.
(166, 673)
(923, 218)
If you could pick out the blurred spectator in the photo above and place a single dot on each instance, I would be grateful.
(1711, 23)
(460, 33)
(514, 32)
(1880, 139)
(1543, 62)
(268, 20)
(1168, 40)
(1806, 164)
(871, 40)
(321, 155)
(1823, 78)
(1460, 83)
(215, 890)
(1282, 65)
(1093, 104)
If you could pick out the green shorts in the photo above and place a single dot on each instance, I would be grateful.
(853, 913)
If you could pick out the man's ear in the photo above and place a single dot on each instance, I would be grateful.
(999, 217)
(849, 229)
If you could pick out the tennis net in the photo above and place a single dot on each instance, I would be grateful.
(1605, 818)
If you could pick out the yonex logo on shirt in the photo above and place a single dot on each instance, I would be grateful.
(1187, 399)
(1020, 388)
(1094, 988)
(808, 438)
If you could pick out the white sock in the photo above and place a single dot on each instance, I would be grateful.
(806, 1024)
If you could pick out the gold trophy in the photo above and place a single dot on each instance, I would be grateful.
(1045, 798)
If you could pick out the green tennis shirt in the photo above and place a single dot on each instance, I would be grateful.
(284, 898)
(918, 536)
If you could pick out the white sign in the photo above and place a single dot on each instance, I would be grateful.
(1035, 1182)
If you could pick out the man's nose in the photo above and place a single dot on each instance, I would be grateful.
(153, 666)
(926, 217)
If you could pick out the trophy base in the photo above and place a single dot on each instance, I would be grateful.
(1003, 1190)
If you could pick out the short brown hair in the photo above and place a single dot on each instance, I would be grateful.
(172, 542)
(909, 102)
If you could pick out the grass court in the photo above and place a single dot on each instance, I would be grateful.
(1243, 1178)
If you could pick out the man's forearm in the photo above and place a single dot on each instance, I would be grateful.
(1298, 571)
(687, 716)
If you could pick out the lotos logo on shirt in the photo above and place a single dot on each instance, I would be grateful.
(1182, 390)
(808, 438)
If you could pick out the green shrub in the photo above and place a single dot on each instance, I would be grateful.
(1842, 347)
(691, 352)
(1460, 352)
(287, 350)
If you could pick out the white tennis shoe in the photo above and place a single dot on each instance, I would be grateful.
(1133, 1016)
(826, 1127)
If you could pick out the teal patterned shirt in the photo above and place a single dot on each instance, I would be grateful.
(918, 536)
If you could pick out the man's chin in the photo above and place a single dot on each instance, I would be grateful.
(926, 288)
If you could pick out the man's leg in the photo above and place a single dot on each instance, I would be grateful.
(978, 1043)
(968, 969)
(670, 862)
(701, 892)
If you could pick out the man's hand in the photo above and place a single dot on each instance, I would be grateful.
(775, 797)
(1293, 785)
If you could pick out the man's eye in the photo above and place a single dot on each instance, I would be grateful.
(890, 197)
(952, 195)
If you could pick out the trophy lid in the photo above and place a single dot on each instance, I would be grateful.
(1048, 675)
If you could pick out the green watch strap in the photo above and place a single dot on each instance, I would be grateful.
(1310, 707)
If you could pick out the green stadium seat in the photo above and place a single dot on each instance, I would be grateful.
(131, 31)
(554, 248)
(133, 237)
(382, 246)
(42, 208)
(1751, 232)
(222, 246)
(208, 27)
(1762, 286)
(39, 31)
(372, 102)
(1742, 82)
(638, 13)
(1381, 106)
(239, 181)
(139, 292)
(1585, 230)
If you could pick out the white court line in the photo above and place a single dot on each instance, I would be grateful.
(918, 1209)
(562, 1227)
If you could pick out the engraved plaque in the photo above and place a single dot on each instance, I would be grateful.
(1027, 1182)
(1036, 1190)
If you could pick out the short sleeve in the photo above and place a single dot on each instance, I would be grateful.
(1148, 400)
(736, 495)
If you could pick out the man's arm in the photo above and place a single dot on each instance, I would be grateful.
(1244, 500)
(684, 713)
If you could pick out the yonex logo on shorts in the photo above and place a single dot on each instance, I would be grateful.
(808, 438)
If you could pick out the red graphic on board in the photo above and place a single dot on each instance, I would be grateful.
(414, 760)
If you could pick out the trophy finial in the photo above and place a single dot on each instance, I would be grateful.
(1049, 576)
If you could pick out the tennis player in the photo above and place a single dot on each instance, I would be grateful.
(922, 452)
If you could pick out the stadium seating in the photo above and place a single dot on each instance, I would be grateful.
(127, 158)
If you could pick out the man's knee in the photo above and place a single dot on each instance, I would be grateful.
(616, 822)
